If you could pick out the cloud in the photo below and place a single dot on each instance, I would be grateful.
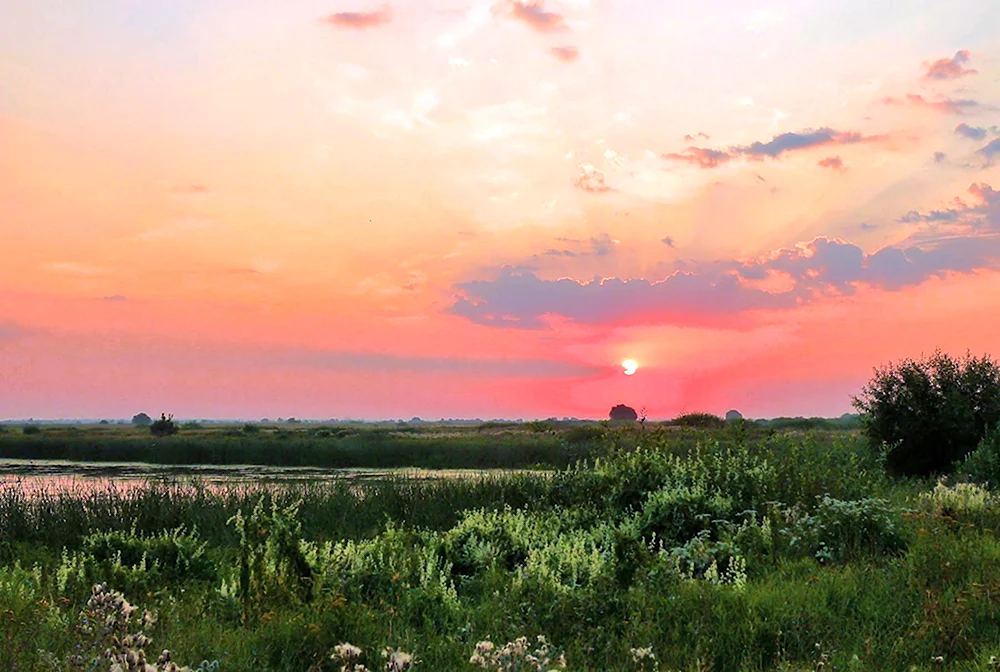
(939, 157)
(982, 214)
(600, 245)
(788, 142)
(360, 20)
(701, 157)
(832, 162)
(971, 132)
(990, 151)
(668, 241)
(114, 298)
(940, 103)
(591, 179)
(532, 13)
(778, 145)
(725, 292)
(565, 53)
(691, 138)
(950, 68)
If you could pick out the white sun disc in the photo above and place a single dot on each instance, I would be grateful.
(629, 367)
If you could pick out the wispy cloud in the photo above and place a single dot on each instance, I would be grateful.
(115, 298)
(774, 148)
(361, 20)
(566, 53)
(668, 241)
(832, 162)
(949, 68)
(701, 157)
(597, 246)
(939, 103)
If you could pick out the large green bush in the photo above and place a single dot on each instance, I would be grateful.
(932, 412)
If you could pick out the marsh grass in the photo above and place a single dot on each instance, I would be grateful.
(707, 550)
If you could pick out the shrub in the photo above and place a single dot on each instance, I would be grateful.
(164, 426)
(983, 464)
(932, 412)
(704, 420)
(251, 428)
(31, 429)
(623, 413)
(141, 420)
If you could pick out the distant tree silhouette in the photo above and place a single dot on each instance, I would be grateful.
(142, 420)
(623, 413)
(164, 426)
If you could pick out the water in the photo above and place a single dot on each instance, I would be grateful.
(53, 476)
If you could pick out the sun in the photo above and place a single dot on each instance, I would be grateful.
(629, 367)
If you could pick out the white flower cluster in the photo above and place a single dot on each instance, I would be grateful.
(517, 656)
(348, 656)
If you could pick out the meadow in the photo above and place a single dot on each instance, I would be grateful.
(729, 548)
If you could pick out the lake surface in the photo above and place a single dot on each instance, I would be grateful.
(36, 476)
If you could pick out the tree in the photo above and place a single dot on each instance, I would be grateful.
(623, 413)
(164, 426)
(142, 420)
(931, 412)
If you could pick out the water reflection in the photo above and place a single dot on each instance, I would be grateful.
(58, 476)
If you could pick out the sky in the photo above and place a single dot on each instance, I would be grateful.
(480, 208)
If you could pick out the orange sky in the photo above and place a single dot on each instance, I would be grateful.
(478, 209)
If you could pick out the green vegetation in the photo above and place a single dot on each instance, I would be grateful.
(334, 446)
(674, 549)
(930, 413)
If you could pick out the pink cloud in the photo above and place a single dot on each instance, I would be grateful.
(950, 68)
(565, 53)
(361, 20)
(832, 162)
(534, 15)
(591, 180)
(940, 103)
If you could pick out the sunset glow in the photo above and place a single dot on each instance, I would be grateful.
(449, 208)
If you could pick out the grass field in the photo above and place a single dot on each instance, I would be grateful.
(719, 550)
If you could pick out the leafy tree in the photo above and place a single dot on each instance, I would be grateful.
(142, 420)
(164, 426)
(623, 413)
(931, 412)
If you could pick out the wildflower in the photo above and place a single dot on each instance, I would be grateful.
(398, 661)
(345, 652)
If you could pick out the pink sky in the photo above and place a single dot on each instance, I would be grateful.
(479, 209)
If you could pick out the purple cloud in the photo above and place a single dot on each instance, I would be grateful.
(971, 132)
(777, 146)
(723, 293)
(990, 151)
